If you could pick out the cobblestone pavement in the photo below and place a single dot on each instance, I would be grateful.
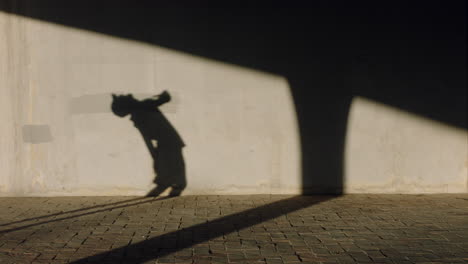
(269, 229)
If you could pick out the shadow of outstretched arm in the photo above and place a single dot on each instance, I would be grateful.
(156, 101)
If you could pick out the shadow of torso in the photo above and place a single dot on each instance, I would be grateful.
(165, 146)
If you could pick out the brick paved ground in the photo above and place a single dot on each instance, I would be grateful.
(236, 229)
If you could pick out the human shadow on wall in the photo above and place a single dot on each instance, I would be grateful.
(161, 138)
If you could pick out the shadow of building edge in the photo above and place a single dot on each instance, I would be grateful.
(154, 248)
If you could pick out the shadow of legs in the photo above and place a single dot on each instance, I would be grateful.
(176, 190)
(156, 191)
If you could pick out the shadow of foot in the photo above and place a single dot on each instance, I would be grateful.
(156, 191)
(176, 191)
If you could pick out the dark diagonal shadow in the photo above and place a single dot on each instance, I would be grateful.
(408, 56)
(158, 246)
(72, 211)
(84, 214)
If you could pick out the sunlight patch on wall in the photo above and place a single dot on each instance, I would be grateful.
(239, 125)
(392, 151)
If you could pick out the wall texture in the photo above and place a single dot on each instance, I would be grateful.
(392, 151)
(59, 137)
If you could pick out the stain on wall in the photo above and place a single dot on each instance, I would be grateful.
(36, 134)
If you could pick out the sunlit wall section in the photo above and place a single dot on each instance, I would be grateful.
(393, 151)
(8, 137)
(59, 136)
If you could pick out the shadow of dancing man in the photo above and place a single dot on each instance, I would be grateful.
(163, 142)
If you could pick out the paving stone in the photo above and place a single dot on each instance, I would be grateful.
(268, 229)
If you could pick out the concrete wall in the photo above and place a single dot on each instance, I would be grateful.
(392, 151)
(59, 137)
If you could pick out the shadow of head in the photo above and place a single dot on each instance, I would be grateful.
(122, 105)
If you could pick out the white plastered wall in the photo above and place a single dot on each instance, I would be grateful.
(59, 136)
(392, 151)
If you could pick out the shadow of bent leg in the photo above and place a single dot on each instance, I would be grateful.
(176, 190)
(156, 191)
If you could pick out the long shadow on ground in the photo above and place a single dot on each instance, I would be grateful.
(163, 245)
(72, 211)
(137, 201)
